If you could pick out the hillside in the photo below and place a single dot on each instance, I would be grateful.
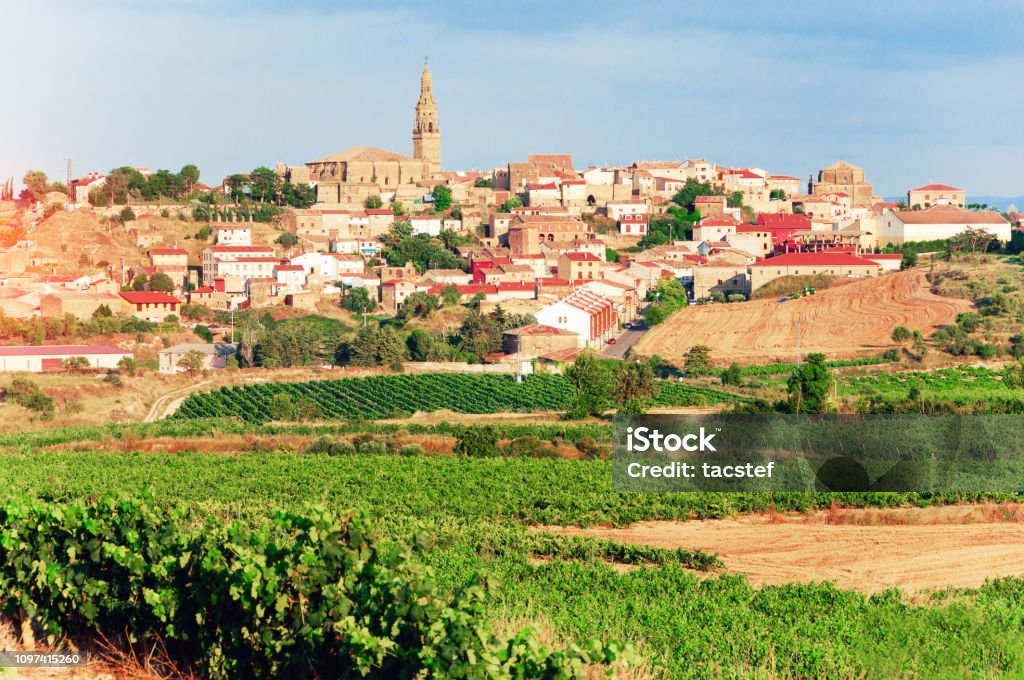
(64, 236)
(845, 320)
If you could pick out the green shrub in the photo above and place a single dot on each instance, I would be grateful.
(530, 447)
(411, 450)
(309, 595)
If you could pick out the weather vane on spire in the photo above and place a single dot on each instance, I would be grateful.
(424, 60)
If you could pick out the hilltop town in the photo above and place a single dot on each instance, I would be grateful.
(566, 258)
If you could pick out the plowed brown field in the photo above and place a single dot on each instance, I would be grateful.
(866, 550)
(843, 321)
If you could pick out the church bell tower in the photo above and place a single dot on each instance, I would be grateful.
(426, 133)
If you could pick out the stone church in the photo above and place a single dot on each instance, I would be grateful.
(350, 176)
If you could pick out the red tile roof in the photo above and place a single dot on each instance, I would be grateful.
(947, 214)
(241, 249)
(289, 268)
(583, 257)
(149, 297)
(168, 251)
(783, 221)
(59, 350)
(540, 187)
(538, 329)
(379, 211)
(936, 187)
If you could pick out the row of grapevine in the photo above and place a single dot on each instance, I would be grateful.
(400, 395)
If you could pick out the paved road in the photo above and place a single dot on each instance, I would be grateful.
(622, 343)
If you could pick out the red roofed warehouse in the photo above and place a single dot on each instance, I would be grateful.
(809, 264)
(36, 359)
(149, 305)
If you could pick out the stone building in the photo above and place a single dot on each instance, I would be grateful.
(350, 176)
(843, 177)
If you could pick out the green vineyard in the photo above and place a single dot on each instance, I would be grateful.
(390, 396)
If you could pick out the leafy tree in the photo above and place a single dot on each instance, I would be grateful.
(423, 251)
(237, 183)
(252, 331)
(357, 300)
(139, 282)
(190, 173)
(593, 386)
(288, 239)
(479, 335)
(192, 362)
(452, 239)
(442, 197)
(298, 195)
(126, 214)
(418, 304)
(204, 333)
(635, 384)
(74, 364)
(901, 334)
(399, 230)
(102, 312)
(420, 344)
(397, 208)
(972, 240)
(484, 183)
(36, 184)
(513, 202)
(128, 365)
(809, 386)
(162, 282)
(698, 361)
(1013, 375)
(909, 260)
(733, 376)
(777, 195)
(373, 202)
(450, 295)
(265, 184)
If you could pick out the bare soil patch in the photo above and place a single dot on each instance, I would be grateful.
(849, 319)
(869, 550)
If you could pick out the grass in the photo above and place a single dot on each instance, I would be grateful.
(787, 285)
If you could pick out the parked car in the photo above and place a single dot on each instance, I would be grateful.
(611, 341)
(785, 299)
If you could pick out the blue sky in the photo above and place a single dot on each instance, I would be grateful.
(913, 91)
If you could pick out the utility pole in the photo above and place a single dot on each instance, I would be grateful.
(71, 193)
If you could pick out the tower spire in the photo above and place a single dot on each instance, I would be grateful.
(426, 132)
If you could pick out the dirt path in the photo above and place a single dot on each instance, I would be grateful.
(865, 550)
(169, 402)
(842, 321)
